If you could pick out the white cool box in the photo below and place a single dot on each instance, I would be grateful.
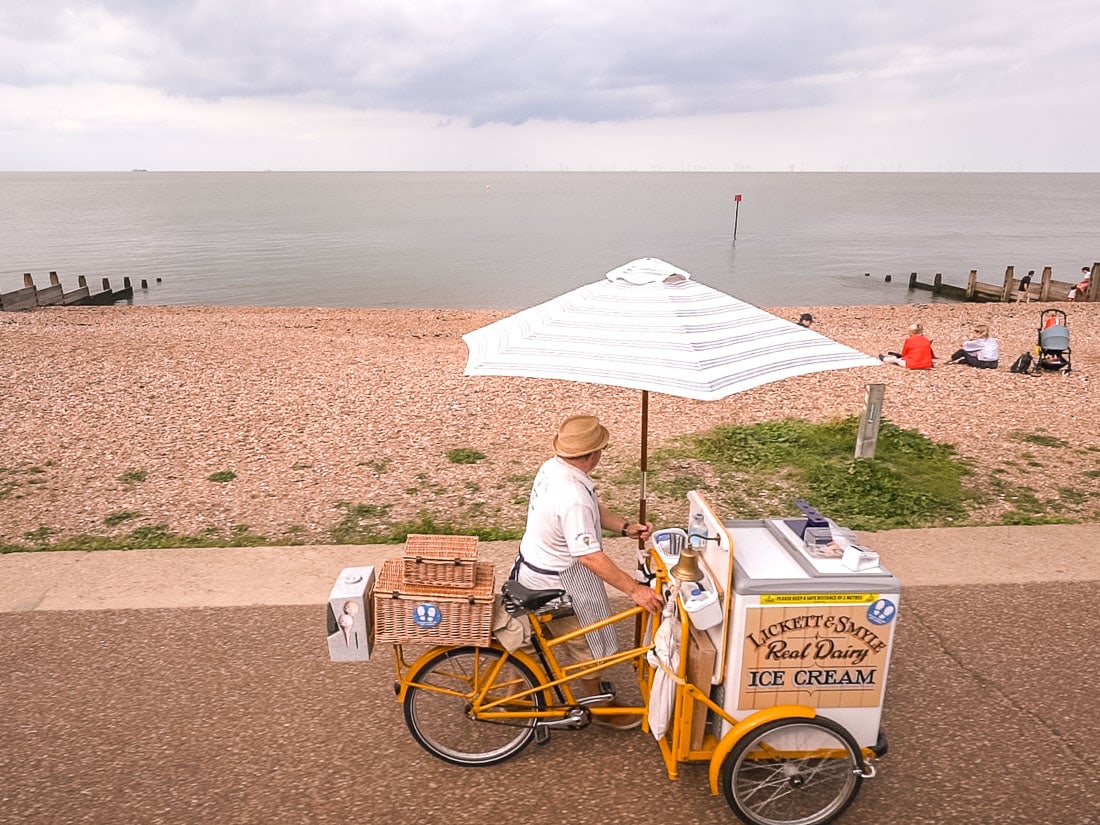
(349, 615)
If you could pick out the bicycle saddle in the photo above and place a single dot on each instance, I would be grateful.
(517, 597)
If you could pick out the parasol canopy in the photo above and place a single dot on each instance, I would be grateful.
(649, 326)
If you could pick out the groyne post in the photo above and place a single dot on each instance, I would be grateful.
(79, 295)
(971, 284)
(1006, 291)
(1044, 284)
(1094, 291)
(937, 283)
(51, 294)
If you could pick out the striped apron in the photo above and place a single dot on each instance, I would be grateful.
(589, 597)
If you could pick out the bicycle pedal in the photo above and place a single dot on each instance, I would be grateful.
(542, 735)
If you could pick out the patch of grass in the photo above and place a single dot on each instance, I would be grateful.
(1073, 495)
(1041, 440)
(378, 466)
(115, 519)
(133, 476)
(41, 536)
(361, 523)
(222, 476)
(299, 465)
(1020, 517)
(763, 468)
(370, 524)
(12, 478)
(465, 455)
(746, 472)
(154, 537)
(677, 486)
(295, 534)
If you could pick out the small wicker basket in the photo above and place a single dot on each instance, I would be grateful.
(413, 613)
(440, 561)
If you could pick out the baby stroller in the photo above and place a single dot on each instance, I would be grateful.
(1054, 352)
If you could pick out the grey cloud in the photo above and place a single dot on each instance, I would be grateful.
(511, 62)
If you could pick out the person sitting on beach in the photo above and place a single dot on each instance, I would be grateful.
(1023, 292)
(805, 320)
(981, 351)
(1081, 289)
(916, 352)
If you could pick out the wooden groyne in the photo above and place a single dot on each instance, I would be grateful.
(1046, 289)
(32, 297)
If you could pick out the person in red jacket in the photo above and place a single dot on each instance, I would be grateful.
(916, 353)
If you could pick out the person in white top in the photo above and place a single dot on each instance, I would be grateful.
(562, 546)
(981, 351)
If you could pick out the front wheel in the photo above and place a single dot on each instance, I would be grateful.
(793, 772)
(441, 699)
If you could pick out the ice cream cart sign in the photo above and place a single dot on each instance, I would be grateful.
(816, 649)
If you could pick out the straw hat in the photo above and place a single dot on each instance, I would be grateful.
(580, 435)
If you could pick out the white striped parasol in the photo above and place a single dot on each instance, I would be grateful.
(648, 326)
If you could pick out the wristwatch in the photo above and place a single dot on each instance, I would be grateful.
(625, 525)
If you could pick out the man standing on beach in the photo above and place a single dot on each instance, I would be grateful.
(1024, 291)
(561, 547)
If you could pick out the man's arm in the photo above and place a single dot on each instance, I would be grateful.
(623, 527)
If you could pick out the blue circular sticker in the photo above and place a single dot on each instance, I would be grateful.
(427, 616)
(882, 612)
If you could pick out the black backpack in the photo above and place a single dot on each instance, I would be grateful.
(1021, 364)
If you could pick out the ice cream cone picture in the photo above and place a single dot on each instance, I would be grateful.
(347, 621)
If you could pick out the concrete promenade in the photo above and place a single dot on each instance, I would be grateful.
(236, 577)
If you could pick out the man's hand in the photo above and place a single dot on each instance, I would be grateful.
(641, 532)
(648, 598)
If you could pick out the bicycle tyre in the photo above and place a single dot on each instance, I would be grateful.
(811, 789)
(438, 702)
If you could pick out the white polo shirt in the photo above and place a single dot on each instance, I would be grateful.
(563, 522)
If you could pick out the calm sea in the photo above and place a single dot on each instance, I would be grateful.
(509, 240)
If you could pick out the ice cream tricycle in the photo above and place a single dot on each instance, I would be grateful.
(769, 663)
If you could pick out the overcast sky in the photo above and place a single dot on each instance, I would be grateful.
(857, 85)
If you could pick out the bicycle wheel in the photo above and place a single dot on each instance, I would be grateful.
(793, 772)
(438, 706)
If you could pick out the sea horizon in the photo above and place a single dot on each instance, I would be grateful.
(482, 239)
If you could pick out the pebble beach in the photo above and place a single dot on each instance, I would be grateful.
(118, 418)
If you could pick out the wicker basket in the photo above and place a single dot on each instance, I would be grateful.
(440, 561)
(407, 613)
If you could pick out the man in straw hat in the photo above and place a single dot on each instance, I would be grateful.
(561, 547)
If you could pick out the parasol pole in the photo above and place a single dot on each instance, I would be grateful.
(639, 620)
(644, 462)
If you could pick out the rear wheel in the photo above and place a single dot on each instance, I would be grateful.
(793, 772)
(439, 706)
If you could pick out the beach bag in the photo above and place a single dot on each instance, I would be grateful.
(1021, 364)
